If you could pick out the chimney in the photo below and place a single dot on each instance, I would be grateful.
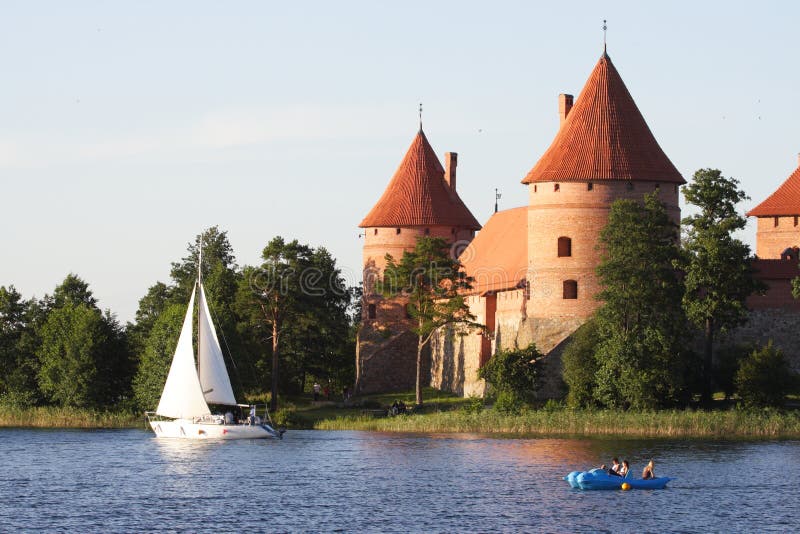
(564, 105)
(450, 162)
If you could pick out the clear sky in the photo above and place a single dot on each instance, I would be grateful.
(126, 128)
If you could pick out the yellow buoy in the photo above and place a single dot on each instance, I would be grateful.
(625, 486)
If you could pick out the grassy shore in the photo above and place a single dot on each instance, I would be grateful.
(445, 413)
(55, 417)
(715, 424)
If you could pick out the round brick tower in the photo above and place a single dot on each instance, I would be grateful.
(420, 200)
(603, 151)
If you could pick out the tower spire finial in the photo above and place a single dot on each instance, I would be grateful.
(420, 116)
(605, 27)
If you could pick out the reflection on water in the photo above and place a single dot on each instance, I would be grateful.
(354, 481)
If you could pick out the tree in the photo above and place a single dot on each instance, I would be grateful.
(276, 290)
(150, 308)
(18, 364)
(640, 325)
(156, 359)
(433, 282)
(84, 359)
(515, 373)
(764, 378)
(72, 340)
(718, 270)
(580, 366)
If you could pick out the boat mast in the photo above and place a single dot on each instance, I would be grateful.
(199, 311)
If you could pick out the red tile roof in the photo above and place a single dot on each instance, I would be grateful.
(417, 195)
(604, 137)
(784, 201)
(498, 256)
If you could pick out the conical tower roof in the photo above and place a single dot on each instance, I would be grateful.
(604, 137)
(785, 201)
(418, 195)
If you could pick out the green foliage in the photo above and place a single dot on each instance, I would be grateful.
(298, 303)
(726, 366)
(18, 362)
(508, 403)
(764, 378)
(514, 373)
(718, 272)
(641, 353)
(474, 404)
(433, 282)
(154, 362)
(580, 366)
(72, 342)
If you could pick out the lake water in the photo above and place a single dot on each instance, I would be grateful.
(127, 481)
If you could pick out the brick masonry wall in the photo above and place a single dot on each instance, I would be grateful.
(771, 240)
(574, 211)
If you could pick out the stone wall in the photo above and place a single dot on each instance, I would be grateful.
(779, 325)
(385, 364)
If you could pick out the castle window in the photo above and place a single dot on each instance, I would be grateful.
(372, 312)
(776, 222)
(795, 220)
(535, 188)
(397, 231)
(556, 187)
(564, 247)
(427, 231)
(630, 186)
(570, 289)
(375, 231)
(589, 186)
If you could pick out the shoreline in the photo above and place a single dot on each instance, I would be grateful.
(554, 423)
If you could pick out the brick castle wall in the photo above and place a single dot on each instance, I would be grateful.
(575, 211)
(772, 239)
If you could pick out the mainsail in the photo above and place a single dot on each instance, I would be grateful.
(182, 396)
(213, 375)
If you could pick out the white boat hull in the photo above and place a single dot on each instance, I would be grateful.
(187, 429)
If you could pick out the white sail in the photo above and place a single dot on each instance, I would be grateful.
(213, 374)
(182, 396)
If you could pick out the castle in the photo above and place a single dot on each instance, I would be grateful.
(534, 266)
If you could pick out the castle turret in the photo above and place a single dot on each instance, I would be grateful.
(420, 200)
(778, 234)
(603, 151)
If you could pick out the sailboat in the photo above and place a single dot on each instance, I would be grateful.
(183, 411)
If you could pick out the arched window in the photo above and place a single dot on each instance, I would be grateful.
(564, 247)
(556, 187)
(371, 311)
(397, 231)
(375, 232)
(589, 186)
(570, 289)
(776, 222)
